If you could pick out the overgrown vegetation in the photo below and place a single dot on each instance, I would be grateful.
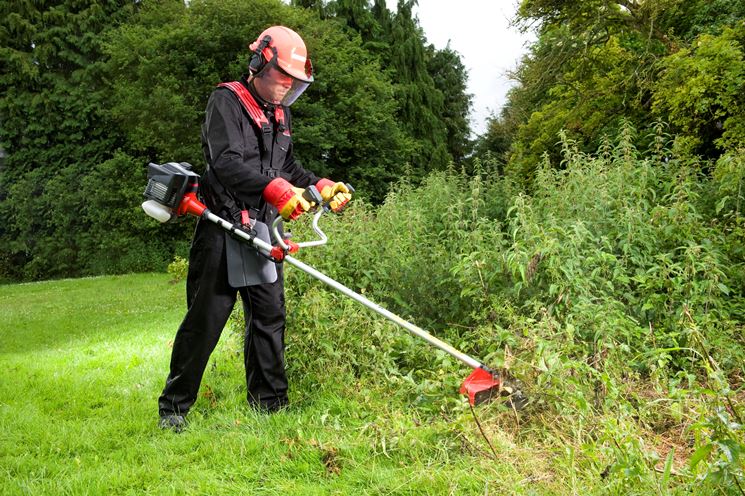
(614, 291)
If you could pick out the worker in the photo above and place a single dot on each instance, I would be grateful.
(252, 176)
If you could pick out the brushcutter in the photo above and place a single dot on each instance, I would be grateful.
(171, 193)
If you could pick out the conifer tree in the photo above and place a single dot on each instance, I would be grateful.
(429, 85)
(451, 78)
(51, 127)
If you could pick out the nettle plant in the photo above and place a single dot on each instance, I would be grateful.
(612, 288)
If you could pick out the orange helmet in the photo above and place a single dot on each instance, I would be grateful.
(284, 49)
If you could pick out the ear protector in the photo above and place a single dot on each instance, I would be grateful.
(258, 61)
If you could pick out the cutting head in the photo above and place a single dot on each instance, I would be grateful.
(482, 386)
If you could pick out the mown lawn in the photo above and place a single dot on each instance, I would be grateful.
(84, 360)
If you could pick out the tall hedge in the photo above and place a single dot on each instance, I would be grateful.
(53, 129)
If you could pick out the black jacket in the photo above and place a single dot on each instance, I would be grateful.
(241, 160)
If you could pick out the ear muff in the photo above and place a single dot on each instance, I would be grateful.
(257, 61)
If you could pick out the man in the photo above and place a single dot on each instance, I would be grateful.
(251, 177)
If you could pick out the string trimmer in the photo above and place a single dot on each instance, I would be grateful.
(171, 192)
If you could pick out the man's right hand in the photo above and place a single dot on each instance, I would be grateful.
(287, 199)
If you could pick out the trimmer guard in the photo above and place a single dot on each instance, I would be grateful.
(481, 386)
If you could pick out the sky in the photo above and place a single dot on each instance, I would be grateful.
(480, 31)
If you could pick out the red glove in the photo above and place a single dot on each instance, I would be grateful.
(287, 199)
(337, 194)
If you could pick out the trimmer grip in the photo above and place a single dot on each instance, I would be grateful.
(311, 194)
(350, 188)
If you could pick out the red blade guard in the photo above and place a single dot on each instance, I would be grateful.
(480, 386)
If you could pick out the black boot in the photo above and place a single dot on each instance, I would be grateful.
(173, 422)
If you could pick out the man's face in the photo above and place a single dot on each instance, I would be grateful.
(273, 85)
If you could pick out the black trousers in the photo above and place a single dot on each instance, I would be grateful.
(210, 300)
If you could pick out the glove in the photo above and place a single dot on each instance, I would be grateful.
(337, 194)
(287, 199)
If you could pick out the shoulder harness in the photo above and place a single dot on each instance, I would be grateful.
(272, 157)
(254, 110)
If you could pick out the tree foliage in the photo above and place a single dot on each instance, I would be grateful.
(450, 77)
(54, 130)
(701, 91)
(429, 84)
(598, 63)
(92, 91)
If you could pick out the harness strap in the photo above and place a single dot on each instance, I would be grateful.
(254, 110)
(248, 102)
(279, 114)
(261, 121)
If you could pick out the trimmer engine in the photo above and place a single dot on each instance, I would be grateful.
(171, 191)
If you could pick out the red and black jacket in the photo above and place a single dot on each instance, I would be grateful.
(246, 144)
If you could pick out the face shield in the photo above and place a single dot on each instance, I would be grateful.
(277, 86)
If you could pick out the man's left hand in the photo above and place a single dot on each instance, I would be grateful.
(336, 194)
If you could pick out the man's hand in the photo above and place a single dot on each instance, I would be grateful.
(287, 199)
(337, 194)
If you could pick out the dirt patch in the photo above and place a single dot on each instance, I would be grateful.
(329, 457)
(670, 440)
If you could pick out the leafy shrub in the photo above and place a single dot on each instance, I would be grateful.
(178, 269)
(614, 291)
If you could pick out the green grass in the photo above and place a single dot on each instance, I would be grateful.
(84, 361)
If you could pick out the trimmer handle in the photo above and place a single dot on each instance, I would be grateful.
(312, 195)
(322, 238)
